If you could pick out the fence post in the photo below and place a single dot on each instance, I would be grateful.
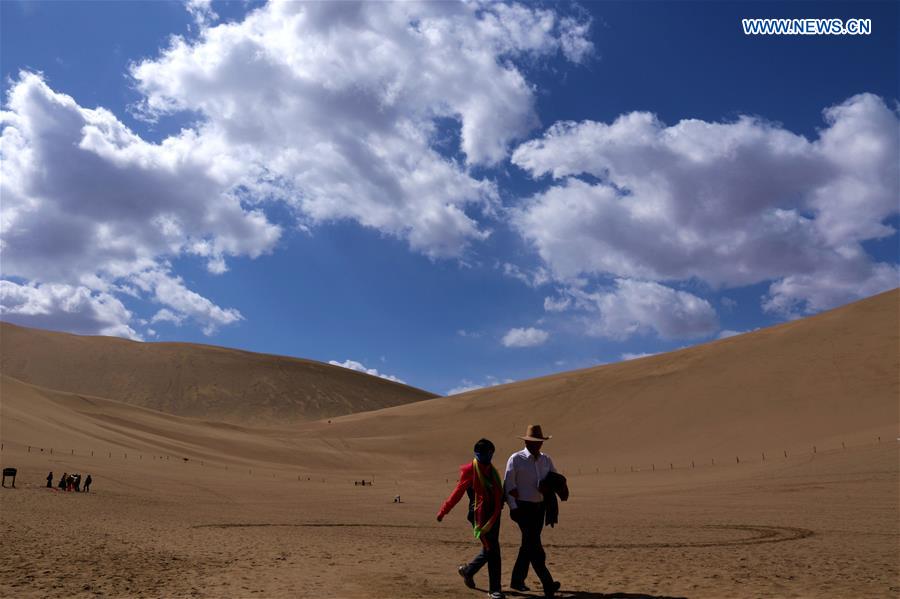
(785, 453)
(737, 459)
(814, 449)
(764, 456)
(692, 464)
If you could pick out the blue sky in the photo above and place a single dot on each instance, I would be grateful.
(452, 195)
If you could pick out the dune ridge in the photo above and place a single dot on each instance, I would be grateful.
(199, 381)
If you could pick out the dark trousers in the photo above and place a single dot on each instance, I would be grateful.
(491, 557)
(531, 523)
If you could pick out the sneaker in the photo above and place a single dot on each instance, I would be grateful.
(519, 586)
(550, 591)
(496, 595)
(467, 580)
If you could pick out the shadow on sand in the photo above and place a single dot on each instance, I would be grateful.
(563, 594)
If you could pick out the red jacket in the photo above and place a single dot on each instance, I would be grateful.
(466, 473)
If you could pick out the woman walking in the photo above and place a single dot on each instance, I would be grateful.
(483, 481)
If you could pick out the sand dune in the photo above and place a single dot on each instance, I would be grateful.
(272, 511)
(201, 381)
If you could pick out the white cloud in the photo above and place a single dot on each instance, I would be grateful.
(726, 333)
(166, 315)
(366, 89)
(845, 281)
(359, 367)
(202, 11)
(468, 334)
(557, 304)
(87, 203)
(170, 291)
(729, 204)
(525, 337)
(533, 278)
(336, 109)
(466, 385)
(636, 356)
(65, 307)
(641, 307)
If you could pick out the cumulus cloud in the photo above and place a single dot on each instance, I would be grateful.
(65, 307)
(170, 290)
(343, 103)
(336, 109)
(359, 367)
(202, 11)
(729, 204)
(89, 204)
(643, 307)
(525, 337)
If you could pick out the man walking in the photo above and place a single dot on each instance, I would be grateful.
(484, 514)
(524, 472)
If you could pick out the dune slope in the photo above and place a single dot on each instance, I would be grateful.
(199, 381)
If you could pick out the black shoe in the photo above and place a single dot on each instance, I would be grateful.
(550, 592)
(467, 580)
(518, 586)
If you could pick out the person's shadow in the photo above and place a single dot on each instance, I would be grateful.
(563, 594)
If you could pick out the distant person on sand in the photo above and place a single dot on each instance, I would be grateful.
(62, 482)
(524, 472)
(50, 480)
(484, 480)
(87, 484)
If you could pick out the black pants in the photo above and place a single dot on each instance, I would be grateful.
(531, 523)
(491, 557)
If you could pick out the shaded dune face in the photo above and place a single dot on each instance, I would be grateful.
(211, 383)
(824, 381)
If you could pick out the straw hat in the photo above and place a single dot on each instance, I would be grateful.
(534, 433)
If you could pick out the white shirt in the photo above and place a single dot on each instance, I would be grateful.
(523, 474)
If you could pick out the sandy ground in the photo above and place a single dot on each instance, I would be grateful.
(822, 525)
(791, 493)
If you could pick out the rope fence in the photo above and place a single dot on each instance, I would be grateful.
(368, 479)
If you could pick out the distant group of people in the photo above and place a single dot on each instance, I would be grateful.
(71, 482)
(530, 486)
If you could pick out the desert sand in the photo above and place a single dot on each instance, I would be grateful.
(202, 381)
(763, 465)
